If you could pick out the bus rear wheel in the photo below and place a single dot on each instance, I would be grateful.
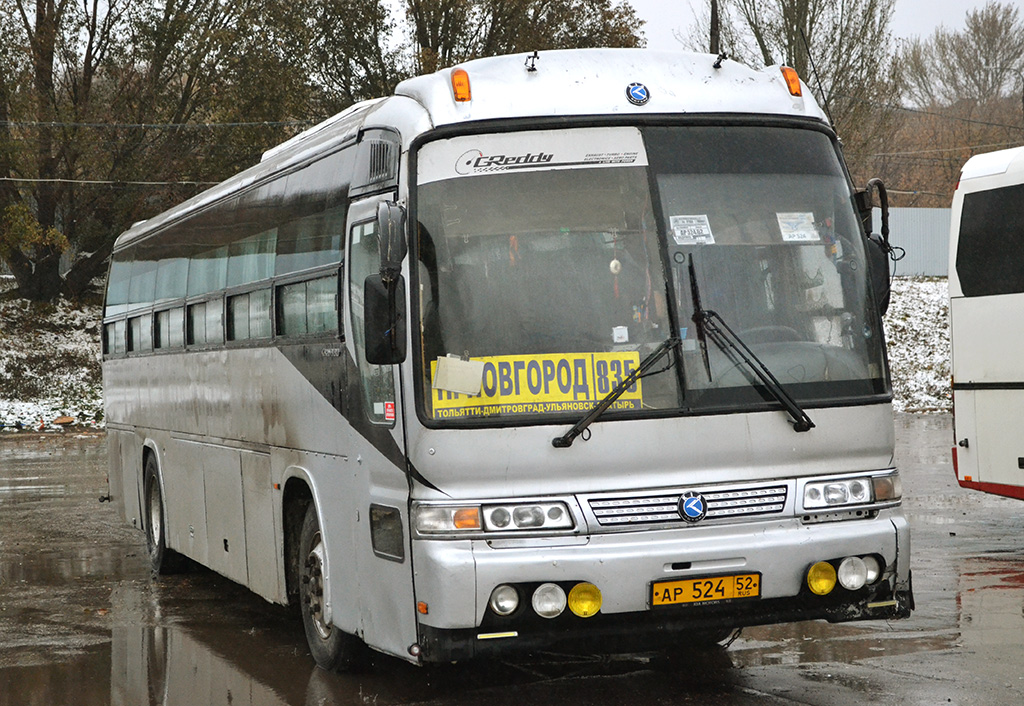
(332, 649)
(161, 559)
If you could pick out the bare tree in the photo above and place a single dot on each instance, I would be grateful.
(841, 48)
(450, 31)
(983, 62)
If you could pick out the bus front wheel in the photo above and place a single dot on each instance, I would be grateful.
(332, 649)
(161, 559)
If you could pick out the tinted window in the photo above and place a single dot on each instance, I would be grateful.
(113, 338)
(307, 308)
(140, 333)
(117, 284)
(252, 259)
(143, 283)
(170, 328)
(207, 271)
(311, 241)
(197, 324)
(991, 243)
(171, 276)
(249, 316)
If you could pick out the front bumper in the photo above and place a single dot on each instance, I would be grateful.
(454, 579)
(660, 629)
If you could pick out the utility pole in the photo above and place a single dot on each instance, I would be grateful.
(715, 45)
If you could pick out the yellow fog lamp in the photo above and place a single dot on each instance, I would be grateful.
(821, 578)
(585, 600)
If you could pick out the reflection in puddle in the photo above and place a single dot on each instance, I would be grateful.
(990, 604)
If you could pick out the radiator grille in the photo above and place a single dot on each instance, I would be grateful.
(664, 507)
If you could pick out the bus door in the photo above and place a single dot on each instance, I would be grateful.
(385, 574)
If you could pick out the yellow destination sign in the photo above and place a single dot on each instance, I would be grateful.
(542, 384)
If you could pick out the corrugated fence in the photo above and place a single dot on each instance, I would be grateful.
(923, 233)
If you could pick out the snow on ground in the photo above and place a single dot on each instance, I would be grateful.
(917, 330)
(49, 365)
(50, 357)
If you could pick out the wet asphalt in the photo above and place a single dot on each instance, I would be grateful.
(82, 621)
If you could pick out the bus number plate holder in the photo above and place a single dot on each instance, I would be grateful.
(713, 589)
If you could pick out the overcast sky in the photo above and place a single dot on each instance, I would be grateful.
(911, 17)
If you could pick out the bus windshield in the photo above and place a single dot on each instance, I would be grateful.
(551, 262)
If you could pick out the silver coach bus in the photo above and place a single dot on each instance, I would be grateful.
(575, 351)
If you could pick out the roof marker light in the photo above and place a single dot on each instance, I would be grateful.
(460, 86)
(792, 81)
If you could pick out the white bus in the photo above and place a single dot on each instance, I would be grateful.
(986, 294)
(574, 351)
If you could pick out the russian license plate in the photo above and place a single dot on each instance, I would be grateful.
(706, 590)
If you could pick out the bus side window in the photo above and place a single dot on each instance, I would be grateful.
(308, 308)
(169, 329)
(377, 381)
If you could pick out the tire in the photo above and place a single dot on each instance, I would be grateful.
(161, 559)
(332, 649)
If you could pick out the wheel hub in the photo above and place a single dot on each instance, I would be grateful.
(316, 583)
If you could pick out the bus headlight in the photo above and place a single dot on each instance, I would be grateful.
(853, 491)
(510, 517)
(548, 600)
(888, 487)
(873, 569)
(504, 600)
(436, 519)
(527, 516)
(853, 573)
(833, 493)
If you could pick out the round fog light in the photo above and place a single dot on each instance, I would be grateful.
(504, 600)
(853, 573)
(821, 578)
(585, 599)
(874, 569)
(548, 600)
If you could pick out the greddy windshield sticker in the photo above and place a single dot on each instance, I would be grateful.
(473, 155)
(542, 384)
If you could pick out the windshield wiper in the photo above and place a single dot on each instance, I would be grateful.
(711, 325)
(565, 440)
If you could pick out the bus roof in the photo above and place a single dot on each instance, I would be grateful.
(596, 81)
(994, 163)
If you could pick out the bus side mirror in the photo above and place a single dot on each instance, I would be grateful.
(878, 267)
(384, 317)
(879, 250)
(391, 235)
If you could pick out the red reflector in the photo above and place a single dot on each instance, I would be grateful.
(956, 467)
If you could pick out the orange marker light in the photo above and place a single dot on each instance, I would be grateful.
(792, 81)
(460, 86)
(422, 608)
(467, 518)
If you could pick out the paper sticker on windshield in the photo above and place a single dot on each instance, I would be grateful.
(798, 227)
(534, 150)
(542, 384)
(691, 230)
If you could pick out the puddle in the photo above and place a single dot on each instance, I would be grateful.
(81, 620)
